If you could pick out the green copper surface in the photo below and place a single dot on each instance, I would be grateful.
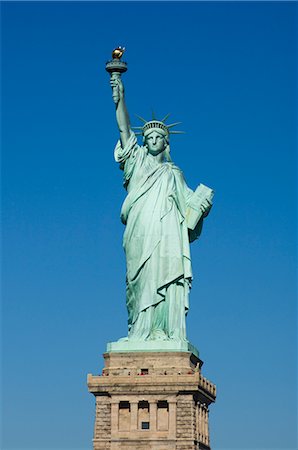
(157, 236)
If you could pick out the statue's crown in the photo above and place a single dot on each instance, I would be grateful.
(155, 124)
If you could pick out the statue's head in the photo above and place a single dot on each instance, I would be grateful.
(156, 141)
(156, 135)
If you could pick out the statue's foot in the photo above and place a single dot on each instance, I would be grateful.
(158, 335)
(179, 339)
(124, 339)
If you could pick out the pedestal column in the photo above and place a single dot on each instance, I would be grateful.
(153, 415)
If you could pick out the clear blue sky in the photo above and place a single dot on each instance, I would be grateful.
(228, 72)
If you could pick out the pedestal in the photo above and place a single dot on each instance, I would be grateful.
(151, 400)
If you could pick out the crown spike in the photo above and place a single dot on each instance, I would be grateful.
(141, 118)
(173, 124)
(154, 123)
(166, 117)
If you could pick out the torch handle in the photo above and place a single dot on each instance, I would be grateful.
(115, 89)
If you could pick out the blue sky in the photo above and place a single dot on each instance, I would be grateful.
(228, 72)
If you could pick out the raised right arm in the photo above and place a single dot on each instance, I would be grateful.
(122, 116)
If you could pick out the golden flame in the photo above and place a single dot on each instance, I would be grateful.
(118, 52)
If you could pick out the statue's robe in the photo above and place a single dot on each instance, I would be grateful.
(156, 241)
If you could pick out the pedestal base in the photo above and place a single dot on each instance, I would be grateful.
(151, 346)
(151, 400)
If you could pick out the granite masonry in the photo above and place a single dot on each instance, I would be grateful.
(151, 400)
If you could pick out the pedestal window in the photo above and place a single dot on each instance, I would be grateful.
(162, 415)
(124, 416)
(143, 416)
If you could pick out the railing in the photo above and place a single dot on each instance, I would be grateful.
(191, 376)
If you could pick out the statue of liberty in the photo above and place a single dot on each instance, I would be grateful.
(162, 216)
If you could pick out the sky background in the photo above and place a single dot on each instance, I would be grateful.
(228, 72)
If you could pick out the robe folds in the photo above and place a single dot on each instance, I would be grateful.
(155, 241)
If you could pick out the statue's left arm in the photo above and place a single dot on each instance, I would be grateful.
(194, 213)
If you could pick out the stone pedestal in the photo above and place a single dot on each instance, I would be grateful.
(151, 400)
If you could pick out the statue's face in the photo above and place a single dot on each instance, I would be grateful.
(155, 142)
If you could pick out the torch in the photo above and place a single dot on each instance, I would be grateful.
(116, 67)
